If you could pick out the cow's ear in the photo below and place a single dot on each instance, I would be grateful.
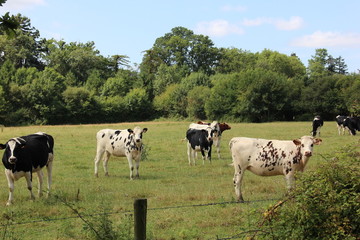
(144, 130)
(2, 146)
(317, 141)
(130, 131)
(297, 142)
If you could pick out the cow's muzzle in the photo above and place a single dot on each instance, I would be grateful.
(308, 154)
(12, 160)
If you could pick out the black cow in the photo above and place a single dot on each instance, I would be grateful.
(316, 125)
(340, 124)
(353, 124)
(200, 140)
(25, 155)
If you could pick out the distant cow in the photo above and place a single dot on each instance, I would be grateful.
(269, 157)
(221, 127)
(120, 143)
(316, 126)
(25, 155)
(353, 124)
(199, 140)
(340, 124)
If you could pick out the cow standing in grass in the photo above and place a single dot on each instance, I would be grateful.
(316, 125)
(269, 158)
(25, 155)
(120, 143)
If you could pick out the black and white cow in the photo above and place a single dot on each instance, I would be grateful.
(353, 124)
(340, 124)
(25, 155)
(199, 140)
(269, 158)
(316, 125)
(120, 143)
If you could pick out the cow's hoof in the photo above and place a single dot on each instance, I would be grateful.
(106, 174)
(96, 175)
(8, 203)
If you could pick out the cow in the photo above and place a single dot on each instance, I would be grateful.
(199, 140)
(221, 127)
(340, 124)
(316, 125)
(269, 158)
(353, 124)
(120, 143)
(25, 155)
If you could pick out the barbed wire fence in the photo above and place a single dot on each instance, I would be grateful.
(83, 217)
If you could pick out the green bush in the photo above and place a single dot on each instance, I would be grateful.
(325, 203)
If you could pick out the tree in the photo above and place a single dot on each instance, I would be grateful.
(184, 48)
(235, 60)
(25, 49)
(197, 98)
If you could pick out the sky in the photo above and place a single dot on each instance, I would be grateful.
(130, 27)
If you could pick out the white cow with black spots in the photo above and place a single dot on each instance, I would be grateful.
(270, 157)
(120, 143)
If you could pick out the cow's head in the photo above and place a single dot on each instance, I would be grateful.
(12, 147)
(306, 144)
(137, 134)
(224, 126)
(210, 133)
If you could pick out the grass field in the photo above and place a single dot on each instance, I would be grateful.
(184, 202)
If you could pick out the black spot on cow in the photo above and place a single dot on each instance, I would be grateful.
(117, 132)
(111, 136)
(112, 143)
(103, 135)
(116, 139)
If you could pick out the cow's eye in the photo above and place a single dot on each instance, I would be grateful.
(302, 145)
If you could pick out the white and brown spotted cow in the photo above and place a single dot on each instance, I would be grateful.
(270, 157)
(120, 143)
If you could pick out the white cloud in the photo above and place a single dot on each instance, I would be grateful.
(16, 5)
(292, 24)
(328, 39)
(237, 8)
(218, 28)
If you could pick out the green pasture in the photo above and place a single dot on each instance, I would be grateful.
(184, 202)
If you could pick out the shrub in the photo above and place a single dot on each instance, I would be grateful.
(325, 203)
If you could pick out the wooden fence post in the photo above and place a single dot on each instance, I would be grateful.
(140, 209)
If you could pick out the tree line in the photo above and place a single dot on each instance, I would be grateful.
(183, 75)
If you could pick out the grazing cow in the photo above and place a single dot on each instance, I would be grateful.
(120, 143)
(221, 127)
(316, 125)
(269, 158)
(340, 124)
(353, 124)
(199, 140)
(25, 155)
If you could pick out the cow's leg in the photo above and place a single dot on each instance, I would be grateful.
(10, 181)
(137, 165)
(204, 157)
(40, 175)
(105, 162)
(209, 154)
(218, 151)
(49, 173)
(131, 166)
(189, 152)
(290, 180)
(238, 176)
(99, 155)
(29, 184)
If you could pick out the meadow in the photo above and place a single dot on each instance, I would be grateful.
(184, 202)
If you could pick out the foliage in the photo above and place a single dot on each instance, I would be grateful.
(325, 203)
(40, 79)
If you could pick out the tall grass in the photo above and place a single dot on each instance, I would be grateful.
(166, 180)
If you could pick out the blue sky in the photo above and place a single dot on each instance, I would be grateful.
(131, 27)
